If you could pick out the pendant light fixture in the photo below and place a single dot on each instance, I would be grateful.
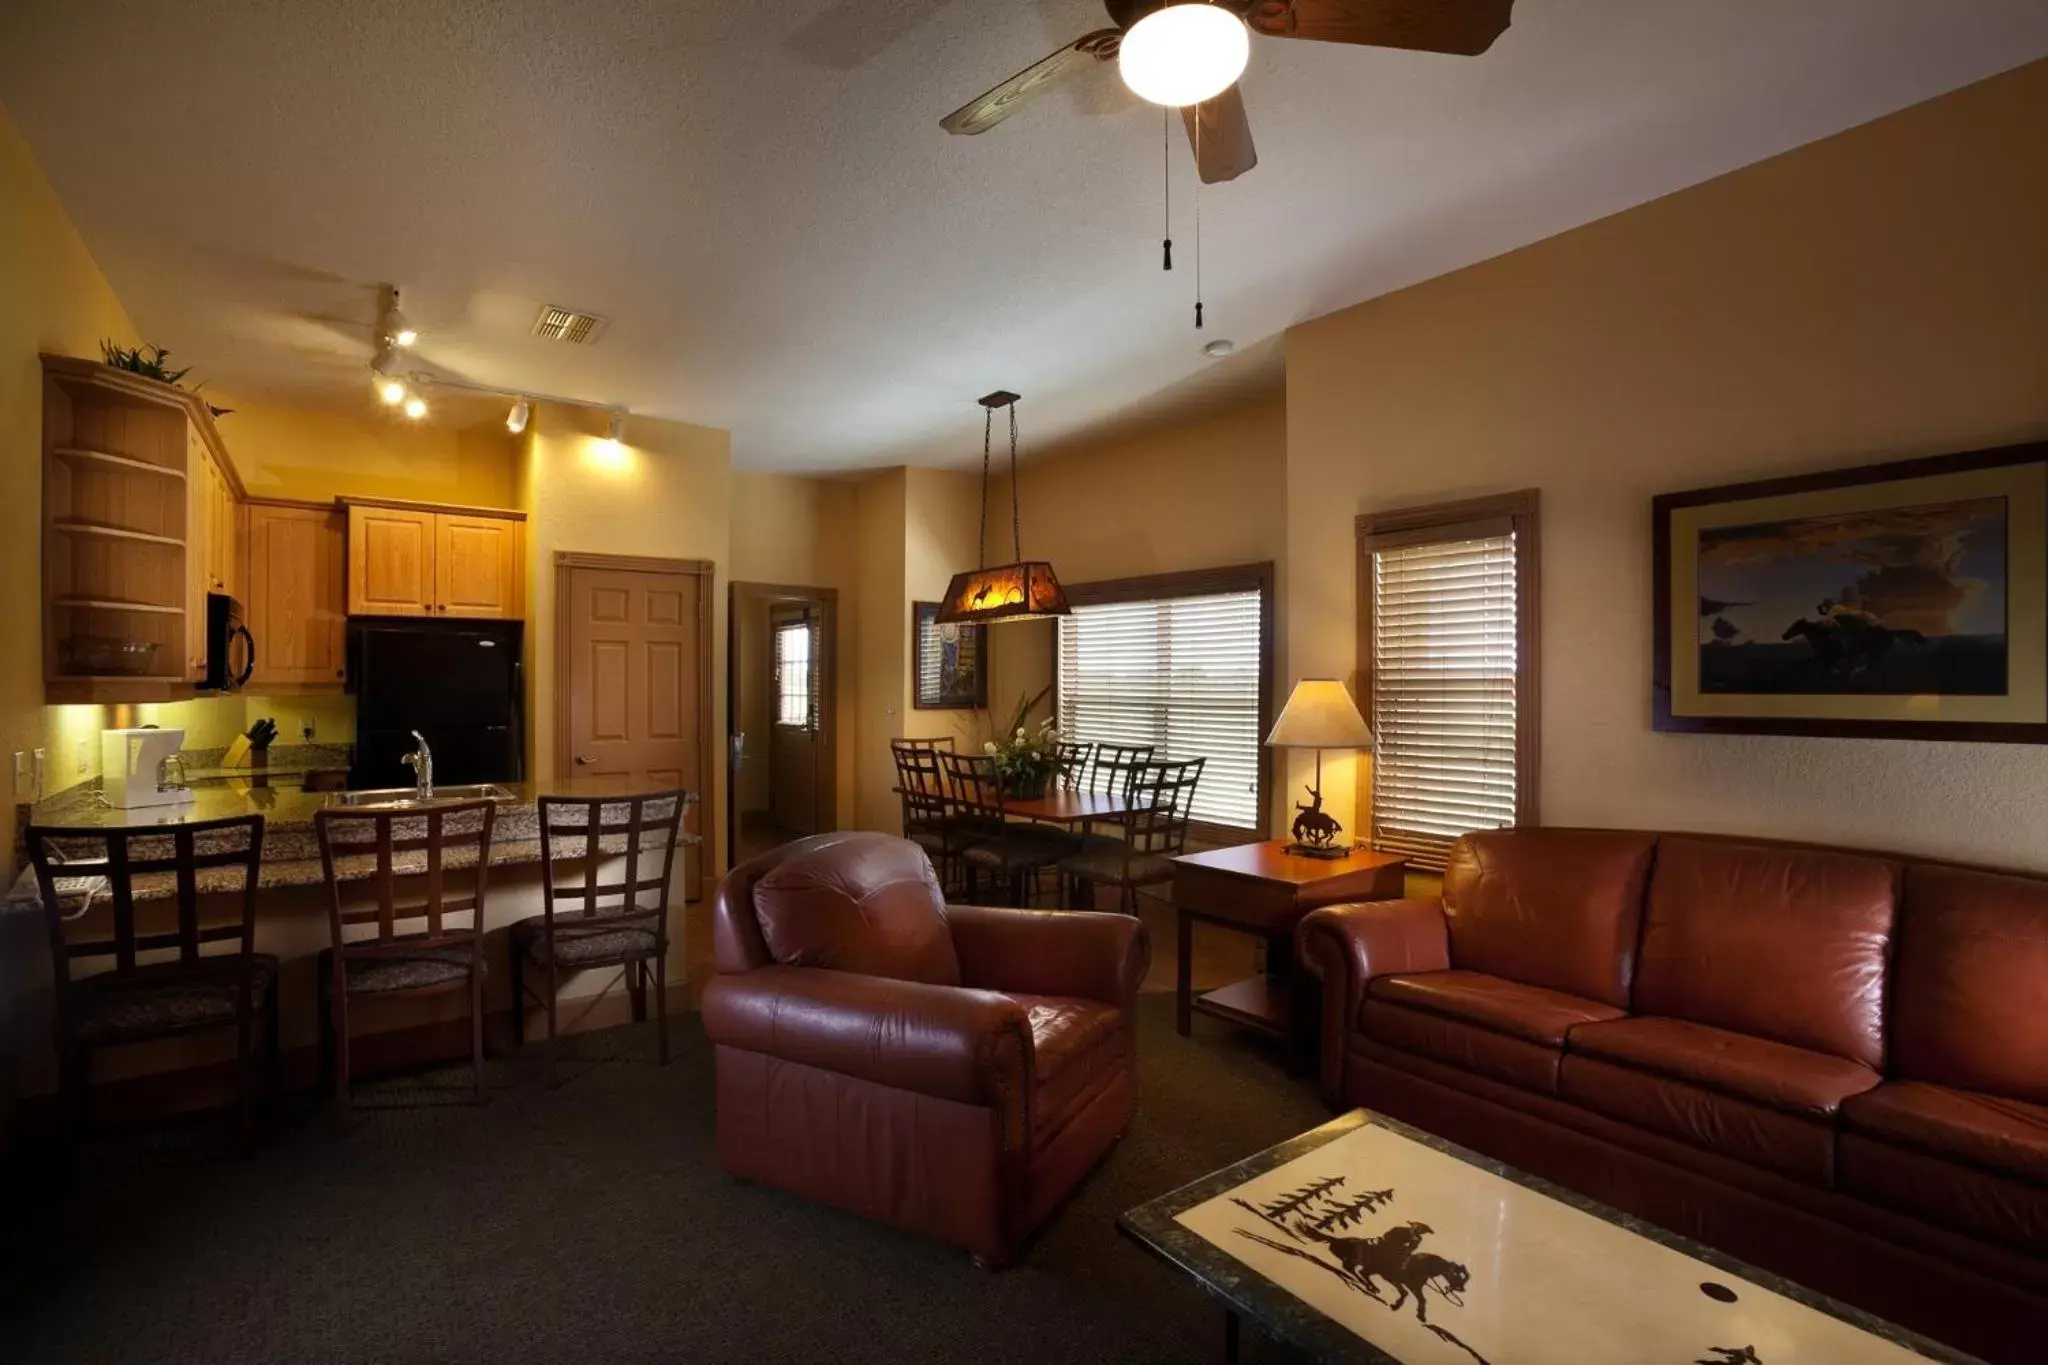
(1024, 590)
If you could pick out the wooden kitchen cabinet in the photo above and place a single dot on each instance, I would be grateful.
(294, 558)
(423, 560)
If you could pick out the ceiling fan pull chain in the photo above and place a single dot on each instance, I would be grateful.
(1166, 176)
(1198, 218)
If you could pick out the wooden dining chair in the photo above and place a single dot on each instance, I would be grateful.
(1013, 852)
(180, 978)
(591, 920)
(1155, 832)
(390, 870)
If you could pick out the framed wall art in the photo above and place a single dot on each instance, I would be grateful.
(948, 661)
(1903, 601)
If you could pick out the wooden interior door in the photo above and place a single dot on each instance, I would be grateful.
(476, 566)
(390, 561)
(633, 676)
(297, 595)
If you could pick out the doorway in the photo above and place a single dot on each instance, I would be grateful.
(782, 724)
(633, 678)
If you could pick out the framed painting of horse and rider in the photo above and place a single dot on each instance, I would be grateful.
(1905, 600)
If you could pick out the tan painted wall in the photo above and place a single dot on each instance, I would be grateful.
(880, 650)
(292, 453)
(1878, 295)
(52, 298)
(667, 492)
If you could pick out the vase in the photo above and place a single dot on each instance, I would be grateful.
(1026, 788)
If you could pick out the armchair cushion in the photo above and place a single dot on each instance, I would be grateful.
(861, 903)
(1074, 1044)
(1081, 954)
(966, 1045)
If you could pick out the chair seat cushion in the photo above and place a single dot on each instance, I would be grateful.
(1015, 852)
(1943, 1190)
(1773, 1074)
(1108, 866)
(408, 971)
(2004, 1135)
(167, 997)
(1075, 1044)
(576, 946)
(1529, 1012)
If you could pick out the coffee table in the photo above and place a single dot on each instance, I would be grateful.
(1367, 1240)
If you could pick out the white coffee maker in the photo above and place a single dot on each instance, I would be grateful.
(133, 772)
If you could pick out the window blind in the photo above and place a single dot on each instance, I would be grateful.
(1444, 647)
(796, 692)
(1180, 674)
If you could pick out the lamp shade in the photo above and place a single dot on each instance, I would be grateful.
(1320, 715)
(1025, 591)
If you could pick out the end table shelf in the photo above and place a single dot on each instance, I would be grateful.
(1264, 890)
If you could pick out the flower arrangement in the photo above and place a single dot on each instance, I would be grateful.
(1026, 757)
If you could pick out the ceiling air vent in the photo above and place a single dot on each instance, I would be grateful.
(566, 324)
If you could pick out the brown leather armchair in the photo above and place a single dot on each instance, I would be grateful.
(949, 1070)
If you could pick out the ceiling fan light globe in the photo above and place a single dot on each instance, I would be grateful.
(1184, 53)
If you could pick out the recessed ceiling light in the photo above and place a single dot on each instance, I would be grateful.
(1219, 348)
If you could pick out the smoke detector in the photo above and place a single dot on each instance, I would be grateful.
(566, 324)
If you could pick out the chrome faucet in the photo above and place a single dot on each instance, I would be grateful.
(421, 761)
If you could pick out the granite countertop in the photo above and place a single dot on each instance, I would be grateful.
(291, 849)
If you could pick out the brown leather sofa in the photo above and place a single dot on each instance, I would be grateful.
(949, 1070)
(1833, 1064)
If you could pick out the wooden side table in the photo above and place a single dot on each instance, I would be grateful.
(1263, 889)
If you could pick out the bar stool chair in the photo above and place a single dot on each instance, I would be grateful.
(137, 1001)
(402, 857)
(575, 930)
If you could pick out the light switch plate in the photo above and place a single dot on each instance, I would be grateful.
(84, 754)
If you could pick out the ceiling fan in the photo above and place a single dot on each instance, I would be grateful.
(1223, 145)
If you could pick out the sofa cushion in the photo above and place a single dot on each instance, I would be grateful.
(1075, 1044)
(1463, 1044)
(1553, 908)
(1983, 1130)
(864, 903)
(1756, 1069)
(1984, 1204)
(1509, 1007)
(1782, 943)
(1970, 982)
(1799, 1145)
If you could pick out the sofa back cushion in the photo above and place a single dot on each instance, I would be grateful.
(1970, 982)
(1557, 908)
(864, 903)
(1780, 943)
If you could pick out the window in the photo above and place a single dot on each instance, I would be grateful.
(1447, 656)
(796, 691)
(1179, 662)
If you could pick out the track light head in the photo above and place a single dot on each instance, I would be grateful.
(387, 361)
(415, 407)
(615, 430)
(397, 330)
(391, 391)
(515, 420)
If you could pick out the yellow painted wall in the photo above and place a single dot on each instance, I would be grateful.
(1878, 295)
(294, 453)
(666, 493)
(881, 648)
(941, 514)
(52, 298)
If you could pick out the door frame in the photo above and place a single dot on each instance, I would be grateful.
(826, 779)
(704, 570)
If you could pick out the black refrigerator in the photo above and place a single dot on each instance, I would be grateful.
(456, 682)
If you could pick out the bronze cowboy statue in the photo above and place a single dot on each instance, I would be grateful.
(1312, 826)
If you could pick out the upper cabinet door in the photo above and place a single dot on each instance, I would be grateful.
(477, 562)
(297, 595)
(390, 561)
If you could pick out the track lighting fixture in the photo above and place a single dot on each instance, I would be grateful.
(397, 330)
(387, 361)
(615, 430)
(415, 407)
(392, 391)
(515, 420)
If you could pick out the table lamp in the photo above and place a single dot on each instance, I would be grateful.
(1319, 715)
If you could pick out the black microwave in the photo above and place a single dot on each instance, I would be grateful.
(224, 628)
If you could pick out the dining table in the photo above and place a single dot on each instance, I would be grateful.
(1068, 808)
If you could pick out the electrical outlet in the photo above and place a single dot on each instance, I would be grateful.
(84, 756)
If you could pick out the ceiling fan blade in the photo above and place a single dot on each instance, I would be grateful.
(985, 111)
(1224, 149)
(1464, 27)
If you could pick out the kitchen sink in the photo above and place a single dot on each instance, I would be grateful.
(408, 796)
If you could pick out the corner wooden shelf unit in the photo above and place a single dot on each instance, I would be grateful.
(118, 452)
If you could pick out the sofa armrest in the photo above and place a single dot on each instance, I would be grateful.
(966, 1045)
(1079, 953)
(1348, 945)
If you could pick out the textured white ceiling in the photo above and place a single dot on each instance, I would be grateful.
(761, 198)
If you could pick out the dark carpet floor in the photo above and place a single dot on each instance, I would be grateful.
(592, 1223)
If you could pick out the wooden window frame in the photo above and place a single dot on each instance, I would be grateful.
(806, 620)
(1468, 519)
(1162, 587)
